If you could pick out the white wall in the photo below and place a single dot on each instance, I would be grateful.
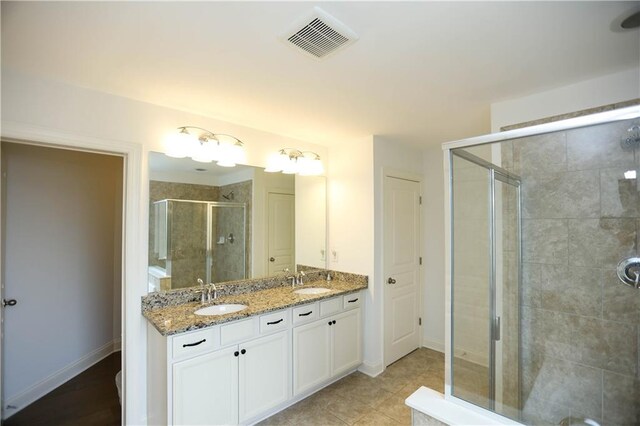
(608, 89)
(350, 206)
(35, 105)
(61, 263)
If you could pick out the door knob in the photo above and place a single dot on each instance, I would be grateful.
(10, 302)
(391, 281)
(272, 259)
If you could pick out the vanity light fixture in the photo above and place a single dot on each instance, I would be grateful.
(205, 146)
(293, 161)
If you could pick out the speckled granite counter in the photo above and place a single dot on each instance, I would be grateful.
(173, 319)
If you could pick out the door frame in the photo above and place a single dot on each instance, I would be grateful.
(413, 177)
(134, 240)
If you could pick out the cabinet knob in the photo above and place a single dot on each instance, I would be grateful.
(334, 321)
(329, 322)
(244, 351)
(272, 259)
(236, 353)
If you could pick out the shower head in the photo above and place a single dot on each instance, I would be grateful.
(632, 139)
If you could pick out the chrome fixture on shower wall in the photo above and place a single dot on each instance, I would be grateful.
(205, 146)
(632, 139)
(293, 161)
(629, 272)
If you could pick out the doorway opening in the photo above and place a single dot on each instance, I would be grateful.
(62, 237)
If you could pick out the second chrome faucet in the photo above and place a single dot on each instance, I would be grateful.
(208, 292)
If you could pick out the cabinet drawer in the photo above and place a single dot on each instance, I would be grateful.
(351, 300)
(237, 331)
(331, 306)
(274, 321)
(305, 313)
(188, 344)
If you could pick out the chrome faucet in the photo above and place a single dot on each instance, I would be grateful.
(299, 278)
(203, 292)
(213, 290)
(291, 277)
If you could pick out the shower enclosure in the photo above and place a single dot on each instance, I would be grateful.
(199, 239)
(544, 271)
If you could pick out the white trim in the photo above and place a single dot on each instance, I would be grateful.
(135, 236)
(371, 370)
(587, 120)
(433, 345)
(59, 378)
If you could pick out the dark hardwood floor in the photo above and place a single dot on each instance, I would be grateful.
(90, 398)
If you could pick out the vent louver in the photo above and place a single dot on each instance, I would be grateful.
(320, 34)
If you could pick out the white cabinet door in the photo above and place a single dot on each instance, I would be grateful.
(311, 355)
(346, 341)
(265, 374)
(205, 389)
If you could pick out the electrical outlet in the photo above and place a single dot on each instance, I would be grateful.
(334, 255)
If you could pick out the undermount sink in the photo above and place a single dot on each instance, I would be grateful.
(312, 290)
(224, 309)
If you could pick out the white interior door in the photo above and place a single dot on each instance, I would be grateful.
(401, 223)
(280, 232)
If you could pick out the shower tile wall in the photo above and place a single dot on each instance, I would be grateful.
(230, 220)
(580, 325)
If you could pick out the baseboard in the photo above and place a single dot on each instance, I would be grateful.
(371, 370)
(117, 344)
(58, 378)
(432, 344)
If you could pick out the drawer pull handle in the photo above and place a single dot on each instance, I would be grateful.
(304, 315)
(194, 344)
(353, 300)
(275, 322)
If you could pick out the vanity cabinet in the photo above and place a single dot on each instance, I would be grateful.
(232, 385)
(264, 374)
(242, 371)
(326, 348)
(205, 389)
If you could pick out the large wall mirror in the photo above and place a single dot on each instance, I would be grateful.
(223, 224)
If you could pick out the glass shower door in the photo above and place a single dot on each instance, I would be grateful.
(471, 357)
(485, 281)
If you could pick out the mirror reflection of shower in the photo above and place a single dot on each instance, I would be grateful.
(198, 239)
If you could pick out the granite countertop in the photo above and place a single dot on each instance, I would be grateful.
(171, 320)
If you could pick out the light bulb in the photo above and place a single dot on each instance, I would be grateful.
(179, 145)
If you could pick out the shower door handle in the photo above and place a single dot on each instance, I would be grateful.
(496, 329)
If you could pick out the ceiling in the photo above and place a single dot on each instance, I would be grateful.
(420, 73)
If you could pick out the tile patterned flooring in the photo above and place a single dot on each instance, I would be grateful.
(358, 399)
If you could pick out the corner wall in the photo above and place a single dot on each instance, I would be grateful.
(350, 211)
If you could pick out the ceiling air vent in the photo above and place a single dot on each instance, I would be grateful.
(319, 34)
